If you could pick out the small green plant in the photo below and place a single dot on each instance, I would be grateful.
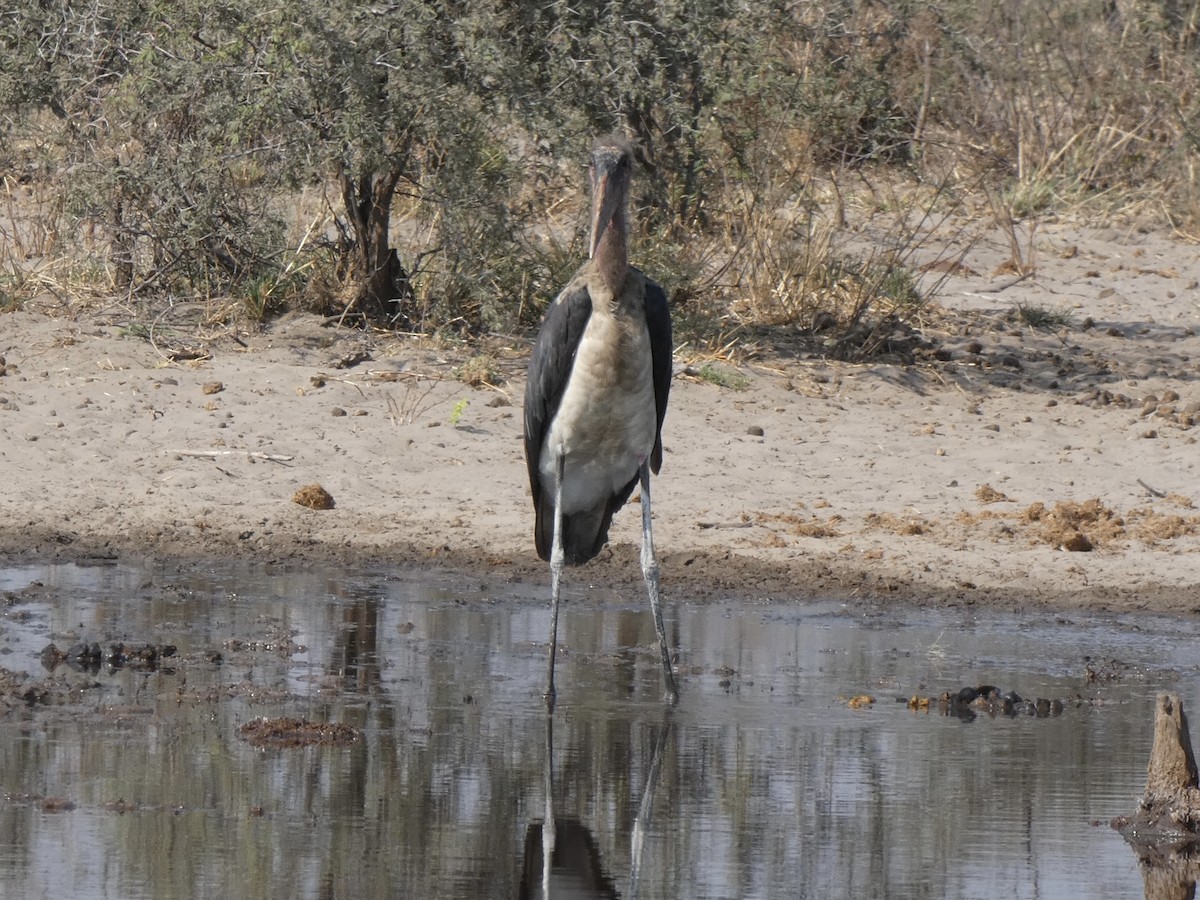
(260, 298)
(1036, 316)
(722, 377)
(1031, 198)
(14, 287)
(898, 285)
(271, 292)
(460, 407)
(137, 330)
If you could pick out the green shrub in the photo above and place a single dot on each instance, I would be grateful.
(170, 143)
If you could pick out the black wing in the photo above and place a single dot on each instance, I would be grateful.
(658, 323)
(549, 368)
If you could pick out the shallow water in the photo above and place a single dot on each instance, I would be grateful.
(761, 782)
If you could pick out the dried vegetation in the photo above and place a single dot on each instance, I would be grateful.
(809, 175)
(1067, 525)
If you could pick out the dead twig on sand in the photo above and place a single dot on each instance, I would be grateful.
(1006, 285)
(1151, 490)
(414, 402)
(250, 454)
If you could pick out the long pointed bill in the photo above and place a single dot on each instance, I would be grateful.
(604, 207)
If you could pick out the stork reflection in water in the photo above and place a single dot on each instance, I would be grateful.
(562, 860)
(596, 397)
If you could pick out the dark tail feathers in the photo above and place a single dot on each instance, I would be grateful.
(584, 533)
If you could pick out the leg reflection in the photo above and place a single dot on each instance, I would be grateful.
(640, 825)
(561, 857)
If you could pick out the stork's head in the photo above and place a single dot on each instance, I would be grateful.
(611, 169)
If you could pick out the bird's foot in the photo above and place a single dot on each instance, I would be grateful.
(671, 694)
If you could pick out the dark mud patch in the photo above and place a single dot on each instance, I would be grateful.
(57, 805)
(280, 644)
(289, 732)
(21, 692)
(967, 703)
(89, 657)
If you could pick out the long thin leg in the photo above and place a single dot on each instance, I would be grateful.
(548, 831)
(556, 568)
(650, 571)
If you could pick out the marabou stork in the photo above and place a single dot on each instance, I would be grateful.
(596, 396)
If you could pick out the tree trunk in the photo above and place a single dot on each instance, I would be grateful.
(382, 285)
(121, 248)
(1172, 766)
(1165, 830)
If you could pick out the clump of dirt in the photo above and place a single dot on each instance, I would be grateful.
(288, 732)
(1075, 526)
(314, 497)
(1077, 542)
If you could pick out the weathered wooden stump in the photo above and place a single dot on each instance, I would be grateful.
(1164, 832)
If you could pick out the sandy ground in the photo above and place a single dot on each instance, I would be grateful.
(981, 474)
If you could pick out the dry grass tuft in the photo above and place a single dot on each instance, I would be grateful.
(1151, 527)
(290, 732)
(1069, 525)
(1075, 526)
(802, 526)
(314, 497)
(481, 370)
(897, 524)
(985, 493)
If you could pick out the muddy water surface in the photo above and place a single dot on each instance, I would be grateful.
(762, 782)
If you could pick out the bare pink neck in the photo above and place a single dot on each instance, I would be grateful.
(612, 255)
